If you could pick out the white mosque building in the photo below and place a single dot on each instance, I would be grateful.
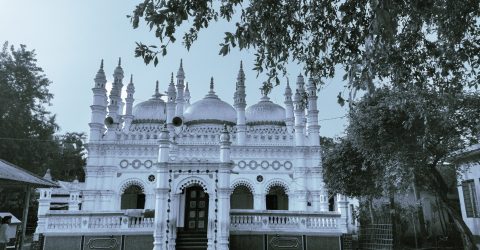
(168, 173)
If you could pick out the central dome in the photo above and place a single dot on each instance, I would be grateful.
(265, 112)
(150, 111)
(210, 110)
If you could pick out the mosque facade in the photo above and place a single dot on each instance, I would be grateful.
(199, 174)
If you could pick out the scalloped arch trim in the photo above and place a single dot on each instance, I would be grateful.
(277, 183)
(243, 182)
(132, 182)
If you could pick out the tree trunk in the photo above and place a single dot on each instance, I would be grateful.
(441, 188)
(467, 236)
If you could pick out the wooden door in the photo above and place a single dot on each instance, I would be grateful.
(196, 209)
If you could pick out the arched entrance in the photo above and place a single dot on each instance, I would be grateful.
(241, 198)
(133, 198)
(196, 209)
(276, 198)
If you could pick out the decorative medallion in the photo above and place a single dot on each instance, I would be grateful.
(242, 164)
(136, 164)
(148, 163)
(259, 178)
(124, 164)
(264, 164)
(151, 178)
(288, 165)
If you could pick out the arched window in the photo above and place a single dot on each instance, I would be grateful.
(241, 198)
(277, 199)
(133, 198)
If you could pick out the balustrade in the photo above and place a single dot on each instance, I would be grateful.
(82, 222)
(284, 221)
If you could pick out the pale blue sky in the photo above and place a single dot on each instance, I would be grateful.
(71, 37)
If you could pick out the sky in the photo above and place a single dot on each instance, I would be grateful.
(71, 37)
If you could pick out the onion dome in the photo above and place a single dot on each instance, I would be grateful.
(150, 111)
(210, 110)
(265, 112)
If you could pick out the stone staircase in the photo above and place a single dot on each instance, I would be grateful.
(191, 240)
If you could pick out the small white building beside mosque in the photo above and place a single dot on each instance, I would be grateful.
(171, 173)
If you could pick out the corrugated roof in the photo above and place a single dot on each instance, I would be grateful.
(13, 174)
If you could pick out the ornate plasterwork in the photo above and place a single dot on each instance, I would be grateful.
(192, 181)
(130, 182)
(264, 165)
(242, 182)
(277, 182)
(136, 164)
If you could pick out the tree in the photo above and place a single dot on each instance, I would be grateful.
(397, 137)
(27, 129)
(425, 42)
(70, 159)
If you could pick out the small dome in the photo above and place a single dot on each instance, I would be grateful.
(210, 110)
(150, 111)
(265, 112)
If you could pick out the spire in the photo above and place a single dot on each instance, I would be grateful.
(211, 85)
(239, 96)
(157, 92)
(211, 93)
(118, 70)
(100, 78)
(180, 72)
(288, 92)
(241, 74)
(131, 87)
(171, 92)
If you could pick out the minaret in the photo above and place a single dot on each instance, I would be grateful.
(240, 104)
(301, 89)
(99, 109)
(187, 98)
(299, 112)
(129, 104)
(114, 108)
(312, 114)
(172, 95)
(289, 107)
(180, 87)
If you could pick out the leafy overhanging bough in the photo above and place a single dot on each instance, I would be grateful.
(425, 42)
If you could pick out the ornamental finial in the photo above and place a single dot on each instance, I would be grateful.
(211, 84)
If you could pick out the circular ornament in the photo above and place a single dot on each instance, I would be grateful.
(242, 164)
(124, 164)
(276, 165)
(264, 164)
(148, 163)
(287, 165)
(259, 178)
(136, 164)
(151, 178)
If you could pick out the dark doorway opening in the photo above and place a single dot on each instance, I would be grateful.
(196, 209)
